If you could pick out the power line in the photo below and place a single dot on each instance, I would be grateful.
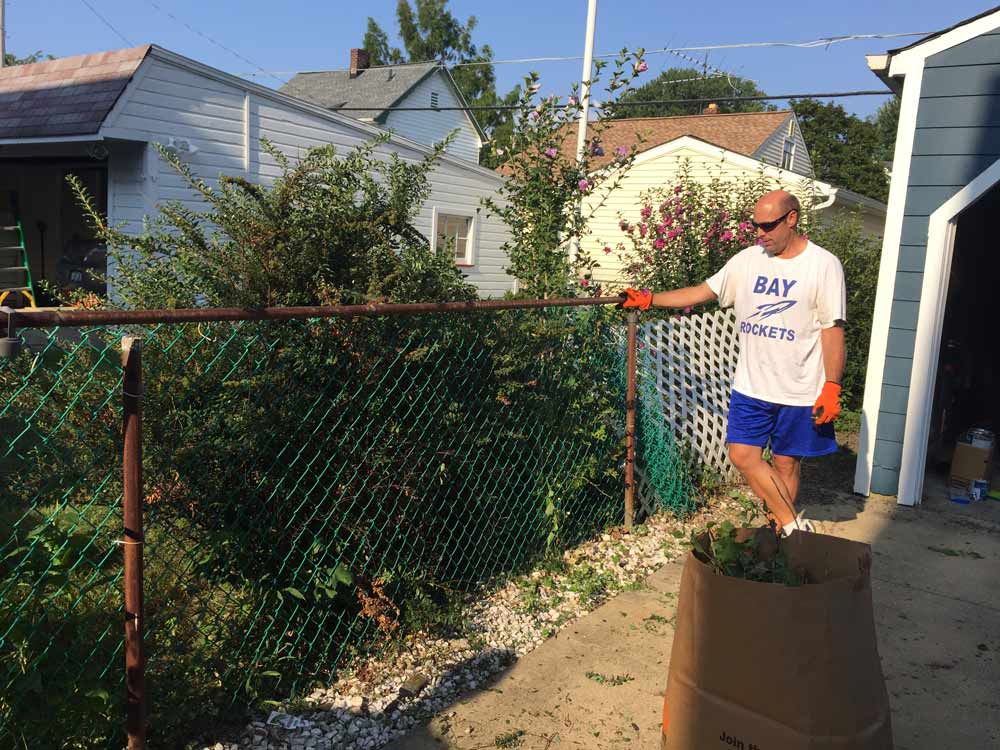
(827, 41)
(107, 23)
(709, 100)
(209, 39)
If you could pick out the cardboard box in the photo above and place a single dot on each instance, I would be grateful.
(969, 462)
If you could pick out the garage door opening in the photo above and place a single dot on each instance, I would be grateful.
(967, 382)
(60, 243)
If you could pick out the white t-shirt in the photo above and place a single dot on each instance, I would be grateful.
(781, 307)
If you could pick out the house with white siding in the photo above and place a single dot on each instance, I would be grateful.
(99, 117)
(419, 101)
(710, 145)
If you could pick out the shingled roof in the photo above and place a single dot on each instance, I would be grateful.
(743, 132)
(378, 88)
(65, 97)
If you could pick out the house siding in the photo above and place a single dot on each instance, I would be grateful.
(772, 150)
(166, 100)
(957, 137)
(431, 127)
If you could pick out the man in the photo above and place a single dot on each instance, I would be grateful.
(790, 301)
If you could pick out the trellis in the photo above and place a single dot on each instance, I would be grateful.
(693, 359)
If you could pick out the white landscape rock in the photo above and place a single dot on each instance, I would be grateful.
(366, 713)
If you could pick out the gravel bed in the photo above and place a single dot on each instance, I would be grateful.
(383, 697)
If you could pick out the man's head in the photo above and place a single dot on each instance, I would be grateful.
(776, 217)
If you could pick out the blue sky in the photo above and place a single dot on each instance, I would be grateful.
(307, 35)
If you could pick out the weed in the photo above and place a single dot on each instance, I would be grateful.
(590, 584)
(513, 738)
(654, 621)
(971, 554)
(751, 554)
(613, 681)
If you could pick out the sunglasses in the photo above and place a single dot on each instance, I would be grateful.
(767, 226)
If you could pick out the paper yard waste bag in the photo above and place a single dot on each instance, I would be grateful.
(763, 666)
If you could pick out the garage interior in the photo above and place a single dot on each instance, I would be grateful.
(967, 385)
(62, 250)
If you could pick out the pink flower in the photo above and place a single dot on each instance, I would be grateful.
(584, 185)
(659, 244)
(678, 190)
(642, 230)
(607, 250)
(533, 115)
(668, 220)
(572, 101)
(744, 226)
(645, 212)
(552, 152)
(641, 67)
(584, 282)
(724, 216)
(673, 234)
(621, 151)
(726, 236)
(687, 309)
(623, 225)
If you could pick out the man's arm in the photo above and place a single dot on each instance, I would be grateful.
(686, 297)
(834, 351)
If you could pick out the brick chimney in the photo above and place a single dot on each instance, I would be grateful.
(711, 109)
(359, 61)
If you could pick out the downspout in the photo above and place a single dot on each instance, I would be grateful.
(831, 198)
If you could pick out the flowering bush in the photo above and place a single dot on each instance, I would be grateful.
(541, 199)
(687, 232)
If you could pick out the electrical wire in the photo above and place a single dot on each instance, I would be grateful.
(615, 105)
(811, 44)
(209, 39)
(107, 23)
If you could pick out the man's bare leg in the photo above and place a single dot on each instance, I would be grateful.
(766, 481)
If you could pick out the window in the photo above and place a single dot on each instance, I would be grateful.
(434, 99)
(788, 154)
(454, 234)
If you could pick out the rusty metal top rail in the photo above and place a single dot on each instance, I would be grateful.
(80, 317)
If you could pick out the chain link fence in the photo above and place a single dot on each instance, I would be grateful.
(312, 489)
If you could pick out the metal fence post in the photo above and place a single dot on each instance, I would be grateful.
(135, 658)
(630, 366)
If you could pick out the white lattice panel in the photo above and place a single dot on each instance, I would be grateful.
(693, 358)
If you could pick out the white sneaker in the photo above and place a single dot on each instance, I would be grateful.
(799, 524)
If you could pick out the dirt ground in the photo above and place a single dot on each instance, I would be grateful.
(599, 683)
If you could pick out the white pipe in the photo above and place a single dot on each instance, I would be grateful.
(585, 76)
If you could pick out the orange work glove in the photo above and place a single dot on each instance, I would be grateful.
(827, 407)
(640, 298)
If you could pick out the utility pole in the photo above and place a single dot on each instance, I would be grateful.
(3, 36)
(581, 136)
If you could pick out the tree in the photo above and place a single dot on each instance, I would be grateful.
(886, 121)
(844, 149)
(688, 83)
(430, 32)
(549, 196)
(10, 60)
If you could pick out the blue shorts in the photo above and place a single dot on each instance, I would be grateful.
(789, 429)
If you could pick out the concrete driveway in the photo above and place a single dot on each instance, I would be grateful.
(936, 584)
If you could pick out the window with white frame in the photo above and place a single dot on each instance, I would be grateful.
(454, 234)
(788, 154)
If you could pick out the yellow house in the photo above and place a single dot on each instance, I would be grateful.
(709, 145)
